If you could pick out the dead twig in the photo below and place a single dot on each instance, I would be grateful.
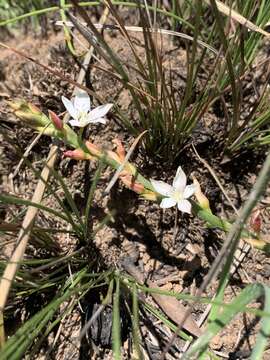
(25, 231)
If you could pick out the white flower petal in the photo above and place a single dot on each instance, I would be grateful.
(189, 191)
(99, 120)
(180, 180)
(167, 203)
(75, 123)
(82, 102)
(184, 206)
(161, 187)
(70, 108)
(99, 112)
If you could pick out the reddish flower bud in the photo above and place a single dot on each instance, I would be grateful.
(129, 181)
(94, 149)
(256, 221)
(114, 156)
(77, 154)
(57, 122)
(120, 150)
(34, 109)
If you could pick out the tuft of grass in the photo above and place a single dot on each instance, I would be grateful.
(170, 119)
(168, 116)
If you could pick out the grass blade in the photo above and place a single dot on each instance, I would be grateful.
(264, 333)
(249, 294)
(116, 330)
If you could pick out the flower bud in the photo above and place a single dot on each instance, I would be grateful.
(57, 122)
(259, 244)
(29, 113)
(93, 149)
(34, 109)
(114, 156)
(200, 197)
(77, 154)
(129, 181)
(255, 221)
(120, 150)
(149, 195)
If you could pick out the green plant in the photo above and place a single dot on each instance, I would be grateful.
(160, 112)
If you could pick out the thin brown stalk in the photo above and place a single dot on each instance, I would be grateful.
(25, 231)
(140, 29)
(228, 11)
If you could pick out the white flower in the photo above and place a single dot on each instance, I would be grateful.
(81, 113)
(177, 193)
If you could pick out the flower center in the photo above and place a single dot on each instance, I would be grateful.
(177, 196)
(82, 116)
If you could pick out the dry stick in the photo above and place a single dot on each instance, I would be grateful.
(29, 218)
(232, 240)
(24, 233)
(228, 11)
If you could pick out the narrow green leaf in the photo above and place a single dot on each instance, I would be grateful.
(264, 332)
(249, 294)
(116, 330)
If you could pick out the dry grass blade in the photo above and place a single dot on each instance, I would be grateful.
(208, 167)
(226, 10)
(24, 233)
(140, 29)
